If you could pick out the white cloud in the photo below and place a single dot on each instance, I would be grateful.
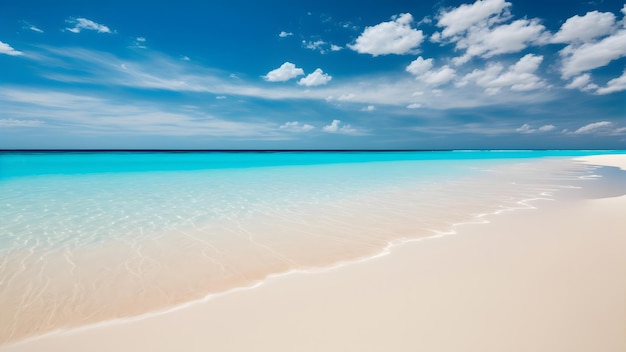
(35, 29)
(334, 47)
(346, 97)
(368, 108)
(414, 106)
(97, 115)
(314, 45)
(337, 127)
(594, 127)
(504, 39)
(440, 76)
(479, 30)
(519, 76)
(140, 42)
(546, 128)
(581, 58)
(6, 49)
(317, 78)
(526, 128)
(615, 85)
(284, 73)
(465, 16)
(592, 25)
(220, 97)
(296, 126)
(581, 82)
(420, 66)
(284, 34)
(186, 58)
(83, 23)
(20, 123)
(421, 69)
(162, 72)
(393, 37)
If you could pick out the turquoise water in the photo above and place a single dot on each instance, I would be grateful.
(14, 164)
(136, 232)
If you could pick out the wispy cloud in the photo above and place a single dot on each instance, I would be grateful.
(81, 23)
(152, 70)
(89, 114)
(295, 126)
(31, 27)
(594, 127)
(20, 123)
(526, 128)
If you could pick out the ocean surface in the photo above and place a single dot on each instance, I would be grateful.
(87, 237)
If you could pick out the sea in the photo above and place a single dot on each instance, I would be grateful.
(89, 237)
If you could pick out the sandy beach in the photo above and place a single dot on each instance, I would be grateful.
(546, 279)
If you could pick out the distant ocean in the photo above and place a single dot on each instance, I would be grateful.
(87, 237)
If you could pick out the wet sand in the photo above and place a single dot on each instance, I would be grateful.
(552, 279)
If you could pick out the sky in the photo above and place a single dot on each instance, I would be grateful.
(486, 74)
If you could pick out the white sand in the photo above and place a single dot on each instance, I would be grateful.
(547, 280)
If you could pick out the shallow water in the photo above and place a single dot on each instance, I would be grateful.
(89, 237)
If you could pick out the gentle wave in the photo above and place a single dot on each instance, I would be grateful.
(142, 243)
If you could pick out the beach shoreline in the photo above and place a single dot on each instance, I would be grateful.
(135, 331)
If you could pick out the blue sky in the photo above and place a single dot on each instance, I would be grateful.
(313, 74)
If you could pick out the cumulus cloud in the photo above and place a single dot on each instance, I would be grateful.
(504, 39)
(296, 126)
(334, 47)
(20, 123)
(577, 59)
(393, 37)
(582, 82)
(583, 29)
(83, 23)
(526, 128)
(460, 19)
(6, 49)
(368, 108)
(285, 72)
(422, 70)
(284, 34)
(519, 76)
(479, 29)
(615, 85)
(420, 66)
(593, 41)
(414, 106)
(317, 78)
(337, 127)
